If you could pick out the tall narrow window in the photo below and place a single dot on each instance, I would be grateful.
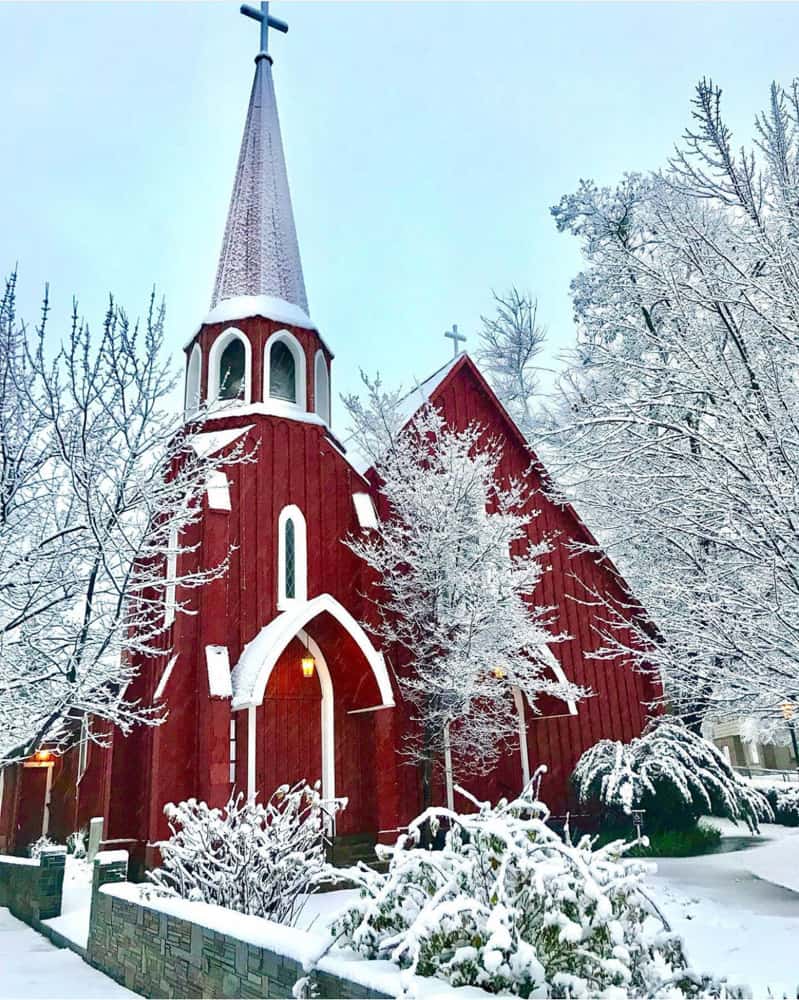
(193, 381)
(282, 373)
(321, 388)
(231, 371)
(291, 561)
(232, 774)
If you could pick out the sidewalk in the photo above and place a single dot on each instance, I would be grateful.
(33, 969)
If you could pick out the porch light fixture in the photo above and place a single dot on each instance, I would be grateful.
(42, 756)
(788, 708)
(500, 673)
(308, 664)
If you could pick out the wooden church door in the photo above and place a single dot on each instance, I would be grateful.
(291, 726)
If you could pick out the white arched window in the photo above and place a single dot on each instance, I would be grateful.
(192, 401)
(284, 372)
(230, 368)
(292, 557)
(321, 392)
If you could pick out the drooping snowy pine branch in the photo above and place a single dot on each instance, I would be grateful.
(99, 483)
(673, 774)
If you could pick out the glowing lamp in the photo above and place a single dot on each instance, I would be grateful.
(500, 673)
(42, 756)
(788, 709)
(308, 664)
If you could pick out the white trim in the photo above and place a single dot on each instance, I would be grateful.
(324, 412)
(292, 513)
(251, 674)
(233, 749)
(251, 752)
(448, 770)
(83, 748)
(554, 664)
(327, 720)
(524, 753)
(48, 791)
(193, 391)
(283, 405)
(171, 577)
(162, 683)
(214, 357)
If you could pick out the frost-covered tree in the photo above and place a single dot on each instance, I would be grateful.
(676, 431)
(513, 908)
(258, 859)
(455, 571)
(98, 483)
(510, 341)
(673, 774)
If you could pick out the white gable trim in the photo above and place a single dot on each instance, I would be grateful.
(554, 664)
(251, 674)
(162, 683)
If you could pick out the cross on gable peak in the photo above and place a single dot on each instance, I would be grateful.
(456, 338)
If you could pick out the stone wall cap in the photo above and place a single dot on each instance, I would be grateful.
(110, 857)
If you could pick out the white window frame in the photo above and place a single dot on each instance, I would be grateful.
(320, 366)
(283, 405)
(292, 513)
(214, 359)
(365, 511)
(194, 369)
(232, 750)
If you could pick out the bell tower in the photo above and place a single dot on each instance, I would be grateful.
(257, 350)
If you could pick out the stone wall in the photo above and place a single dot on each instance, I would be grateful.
(32, 889)
(159, 954)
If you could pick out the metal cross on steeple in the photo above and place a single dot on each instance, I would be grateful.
(455, 337)
(267, 22)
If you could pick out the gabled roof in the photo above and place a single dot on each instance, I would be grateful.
(260, 253)
(429, 390)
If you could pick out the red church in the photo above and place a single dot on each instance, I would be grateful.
(273, 677)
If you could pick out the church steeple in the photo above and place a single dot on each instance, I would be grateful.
(260, 254)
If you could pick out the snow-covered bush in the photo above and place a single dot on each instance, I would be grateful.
(76, 843)
(257, 859)
(510, 906)
(784, 801)
(673, 774)
(36, 848)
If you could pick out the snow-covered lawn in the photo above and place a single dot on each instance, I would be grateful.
(738, 912)
(32, 968)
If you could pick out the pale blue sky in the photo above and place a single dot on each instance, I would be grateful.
(425, 143)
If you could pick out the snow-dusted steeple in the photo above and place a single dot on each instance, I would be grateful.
(260, 254)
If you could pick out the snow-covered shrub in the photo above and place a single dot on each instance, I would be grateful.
(784, 801)
(76, 843)
(510, 906)
(37, 846)
(257, 859)
(673, 774)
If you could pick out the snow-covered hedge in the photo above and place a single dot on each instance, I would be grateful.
(510, 906)
(672, 773)
(784, 801)
(257, 859)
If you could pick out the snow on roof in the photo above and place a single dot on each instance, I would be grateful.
(407, 406)
(218, 663)
(269, 306)
(209, 442)
(260, 254)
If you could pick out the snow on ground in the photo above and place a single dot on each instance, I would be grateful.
(75, 902)
(733, 911)
(33, 969)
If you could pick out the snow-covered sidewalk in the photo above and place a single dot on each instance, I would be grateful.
(738, 912)
(33, 969)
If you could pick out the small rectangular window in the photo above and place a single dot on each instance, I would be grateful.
(218, 663)
(218, 490)
(365, 510)
(232, 751)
